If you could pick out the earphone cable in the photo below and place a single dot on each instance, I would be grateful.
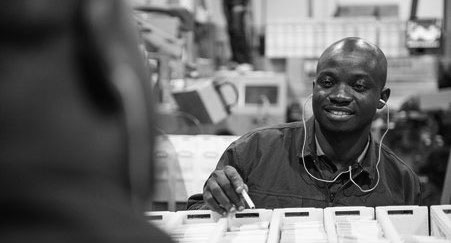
(379, 157)
(349, 170)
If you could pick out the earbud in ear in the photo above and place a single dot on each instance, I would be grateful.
(381, 103)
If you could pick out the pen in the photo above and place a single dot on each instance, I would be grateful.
(247, 199)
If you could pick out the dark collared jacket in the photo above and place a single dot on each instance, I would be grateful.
(270, 162)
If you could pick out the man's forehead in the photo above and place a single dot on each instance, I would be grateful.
(365, 60)
(354, 55)
(357, 63)
(352, 46)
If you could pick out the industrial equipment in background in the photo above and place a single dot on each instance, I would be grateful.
(262, 100)
(210, 101)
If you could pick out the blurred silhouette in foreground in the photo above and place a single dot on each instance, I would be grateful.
(76, 132)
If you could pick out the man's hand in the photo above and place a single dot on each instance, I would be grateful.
(222, 192)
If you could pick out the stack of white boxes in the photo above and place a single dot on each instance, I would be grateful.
(307, 38)
(174, 176)
(395, 224)
(183, 164)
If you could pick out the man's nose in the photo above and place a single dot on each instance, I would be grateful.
(340, 95)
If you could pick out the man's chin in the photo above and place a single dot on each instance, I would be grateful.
(334, 126)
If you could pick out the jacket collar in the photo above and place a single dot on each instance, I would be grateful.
(320, 152)
(367, 159)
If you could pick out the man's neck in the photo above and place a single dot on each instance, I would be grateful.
(342, 148)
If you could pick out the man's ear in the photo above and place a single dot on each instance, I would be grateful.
(313, 83)
(385, 94)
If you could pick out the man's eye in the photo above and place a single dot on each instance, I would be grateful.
(358, 86)
(326, 82)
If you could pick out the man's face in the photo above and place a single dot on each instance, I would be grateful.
(346, 91)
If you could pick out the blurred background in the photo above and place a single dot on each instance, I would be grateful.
(83, 84)
(223, 68)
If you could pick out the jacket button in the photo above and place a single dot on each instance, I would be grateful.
(332, 197)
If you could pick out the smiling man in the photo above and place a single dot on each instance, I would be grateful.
(329, 160)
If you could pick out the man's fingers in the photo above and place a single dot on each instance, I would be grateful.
(229, 191)
(218, 194)
(234, 177)
(236, 187)
(223, 190)
(212, 203)
(246, 188)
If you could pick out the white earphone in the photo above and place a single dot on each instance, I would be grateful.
(350, 167)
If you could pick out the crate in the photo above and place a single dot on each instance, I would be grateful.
(249, 225)
(397, 224)
(408, 220)
(297, 224)
(159, 218)
(332, 215)
(196, 226)
(441, 221)
(406, 224)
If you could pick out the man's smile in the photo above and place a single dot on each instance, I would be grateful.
(338, 113)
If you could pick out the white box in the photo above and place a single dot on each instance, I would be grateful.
(249, 225)
(159, 218)
(333, 214)
(197, 226)
(284, 216)
(441, 221)
(408, 220)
